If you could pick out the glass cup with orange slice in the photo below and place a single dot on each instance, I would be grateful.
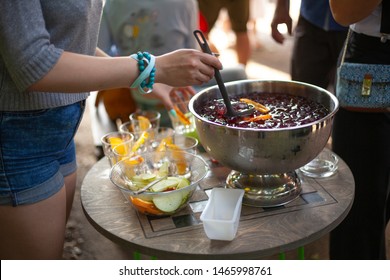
(142, 119)
(142, 137)
(184, 143)
(183, 121)
(163, 134)
(121, 141)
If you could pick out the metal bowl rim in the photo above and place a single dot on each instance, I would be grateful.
(329, 116)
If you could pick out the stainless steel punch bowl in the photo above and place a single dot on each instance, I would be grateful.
(264, 160)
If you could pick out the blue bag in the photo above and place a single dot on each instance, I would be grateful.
(363, 86)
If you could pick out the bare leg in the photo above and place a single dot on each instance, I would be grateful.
(34, 231)
(70, 186)
(252, 25)
(243, 47)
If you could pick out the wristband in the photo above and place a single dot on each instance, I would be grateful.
(146, 65)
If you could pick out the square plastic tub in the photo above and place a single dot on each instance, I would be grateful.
(221, 215)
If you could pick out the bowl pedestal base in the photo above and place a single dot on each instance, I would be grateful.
(269, 190)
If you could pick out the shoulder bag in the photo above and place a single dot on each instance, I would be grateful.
(363, 87)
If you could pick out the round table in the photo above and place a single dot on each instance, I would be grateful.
(262, 232)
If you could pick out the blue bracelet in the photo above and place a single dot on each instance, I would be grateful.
(145, 81)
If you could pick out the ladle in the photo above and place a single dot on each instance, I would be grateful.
(229, 108)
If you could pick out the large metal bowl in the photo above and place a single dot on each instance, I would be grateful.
(265, 151)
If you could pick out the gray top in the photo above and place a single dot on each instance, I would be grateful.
(33, 35)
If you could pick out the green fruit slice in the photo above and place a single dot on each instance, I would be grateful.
(163, 170)
(144, 177)
(183, 183)
(168, 203)
(164, 185)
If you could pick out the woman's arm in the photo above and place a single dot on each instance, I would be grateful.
(78, 73)
(347, 12)
(36, 64)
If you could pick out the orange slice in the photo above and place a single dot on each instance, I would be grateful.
(162, 146)
(258, 118)
(144, 123)
(141, 140)
(130, 164)
(182, 118)
(144, 206)
(259, 107)
(134, 160)
(117, 144)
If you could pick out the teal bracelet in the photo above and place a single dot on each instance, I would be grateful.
(145, 81)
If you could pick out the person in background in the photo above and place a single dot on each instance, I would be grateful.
(155, 26)
(238, 11)
(48, 64)
(256, 11)
(318, 40)
(362, 139)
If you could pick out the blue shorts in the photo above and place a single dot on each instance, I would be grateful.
(37, 151)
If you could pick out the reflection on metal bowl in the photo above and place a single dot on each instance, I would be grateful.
(263, 152)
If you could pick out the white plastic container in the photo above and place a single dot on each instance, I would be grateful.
(221, 215)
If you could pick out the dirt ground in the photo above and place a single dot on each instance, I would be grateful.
(269, 61)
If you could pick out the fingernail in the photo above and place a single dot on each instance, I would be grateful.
(172, 112)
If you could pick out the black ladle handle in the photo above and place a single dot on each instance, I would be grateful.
(206, 49)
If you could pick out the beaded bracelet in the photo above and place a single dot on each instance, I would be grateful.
(145, 81)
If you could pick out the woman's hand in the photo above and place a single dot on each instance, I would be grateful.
(170, 95)
(186, 67)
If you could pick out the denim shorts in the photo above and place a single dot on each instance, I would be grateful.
(37, 151)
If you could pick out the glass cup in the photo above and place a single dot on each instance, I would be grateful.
(323, 166)
(142, 139)
(131, 166)
(184, 143)
(183, 121)
(121, 141)
(119, 154)
(154, 118)
(162, 134)
(129, 127)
